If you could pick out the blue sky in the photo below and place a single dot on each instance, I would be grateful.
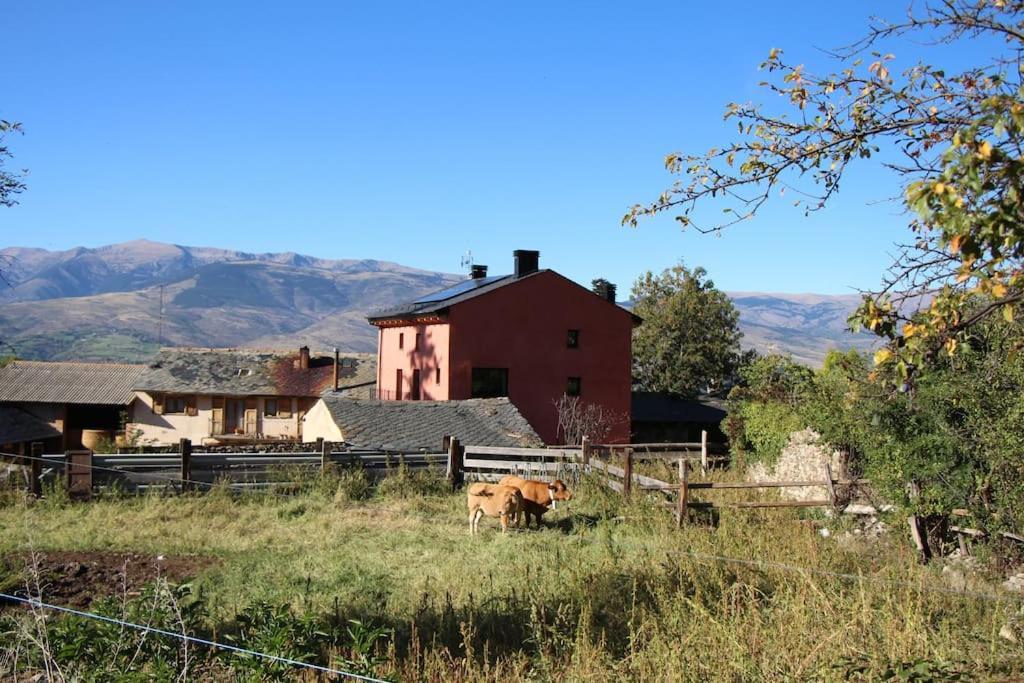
(415, 132)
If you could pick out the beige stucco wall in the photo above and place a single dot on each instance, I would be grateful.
(166, 429)
(318, 423)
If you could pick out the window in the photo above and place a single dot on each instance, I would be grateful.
(419, 341)
(573, 387)
(415, 385)
(401, 340)
(489, 382)
(398, 385)
(573, 339)
(277, 407)
(437, 375)
(174, 405)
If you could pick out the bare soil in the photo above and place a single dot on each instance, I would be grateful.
(76, 579)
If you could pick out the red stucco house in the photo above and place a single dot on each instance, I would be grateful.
(533, 336)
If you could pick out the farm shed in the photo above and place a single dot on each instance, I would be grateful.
(660, 417)
(416, 425)
(206, 394)
(18, 428)
(70, 397)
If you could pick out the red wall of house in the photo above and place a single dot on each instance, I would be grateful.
(432, 355)
(524, 327)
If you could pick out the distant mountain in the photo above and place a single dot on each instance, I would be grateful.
(104, 303)
(805, 326)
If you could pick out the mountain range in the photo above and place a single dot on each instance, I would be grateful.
(123, 301)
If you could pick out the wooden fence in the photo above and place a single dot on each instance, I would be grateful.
(85, 472)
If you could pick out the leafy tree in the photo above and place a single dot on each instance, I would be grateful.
(689, 339)
(953, 139)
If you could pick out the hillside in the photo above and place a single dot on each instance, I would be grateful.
(104, 303)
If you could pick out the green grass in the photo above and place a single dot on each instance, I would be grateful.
(605, 592)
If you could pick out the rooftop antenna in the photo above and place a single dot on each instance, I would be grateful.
(467, 261)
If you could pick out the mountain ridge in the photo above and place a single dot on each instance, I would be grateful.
(104, 303)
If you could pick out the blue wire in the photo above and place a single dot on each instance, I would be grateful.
(193, 639)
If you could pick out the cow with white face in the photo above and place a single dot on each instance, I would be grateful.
(538, 496)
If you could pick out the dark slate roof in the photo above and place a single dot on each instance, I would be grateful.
(655, 406)
(28, 381)
(241, 372)
(416, 425)
(441, 301)
(17, 426)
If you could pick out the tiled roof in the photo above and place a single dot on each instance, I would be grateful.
(30, 381)
(415, 425)
(242, 372)
(17, 426)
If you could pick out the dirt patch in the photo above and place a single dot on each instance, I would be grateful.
(76, 579)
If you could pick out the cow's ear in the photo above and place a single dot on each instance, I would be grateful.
(552, 487)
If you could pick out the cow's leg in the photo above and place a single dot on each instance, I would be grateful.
(504, 524)
(474, 520)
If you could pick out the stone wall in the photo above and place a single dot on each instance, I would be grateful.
(803, 459)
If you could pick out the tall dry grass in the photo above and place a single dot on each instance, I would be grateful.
(608, 590)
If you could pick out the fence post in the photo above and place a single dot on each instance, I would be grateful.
(455, 459)
(704, 452)
(185, 446)
(917, 531)
(684, 494)
(325, 454)
(585, 452)
(830, 484)
(627, 478)
(35, 469)
(446, 442)
(78, 470)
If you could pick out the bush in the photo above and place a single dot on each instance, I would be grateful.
(401, 482)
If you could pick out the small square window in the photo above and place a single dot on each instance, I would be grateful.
(573, 339)
(419, 341)
(401, 340)
(270, 407)
(175, 405)
(437, 376)
(573, 387)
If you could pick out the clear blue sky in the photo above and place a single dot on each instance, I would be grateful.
(414, 132)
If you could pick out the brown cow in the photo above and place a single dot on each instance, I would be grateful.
(492, 500)
(537, 495)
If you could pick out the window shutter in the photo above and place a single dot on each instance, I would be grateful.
(190, 406)
(158, 404)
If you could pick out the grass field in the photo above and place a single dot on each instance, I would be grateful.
(607, 591)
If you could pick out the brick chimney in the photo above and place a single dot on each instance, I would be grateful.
(304, 358)
(526, 261)
(477, 272)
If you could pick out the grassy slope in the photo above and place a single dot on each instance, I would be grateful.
(590, 597)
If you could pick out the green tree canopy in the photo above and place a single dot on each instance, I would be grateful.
(689, 339)
(954, 140)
